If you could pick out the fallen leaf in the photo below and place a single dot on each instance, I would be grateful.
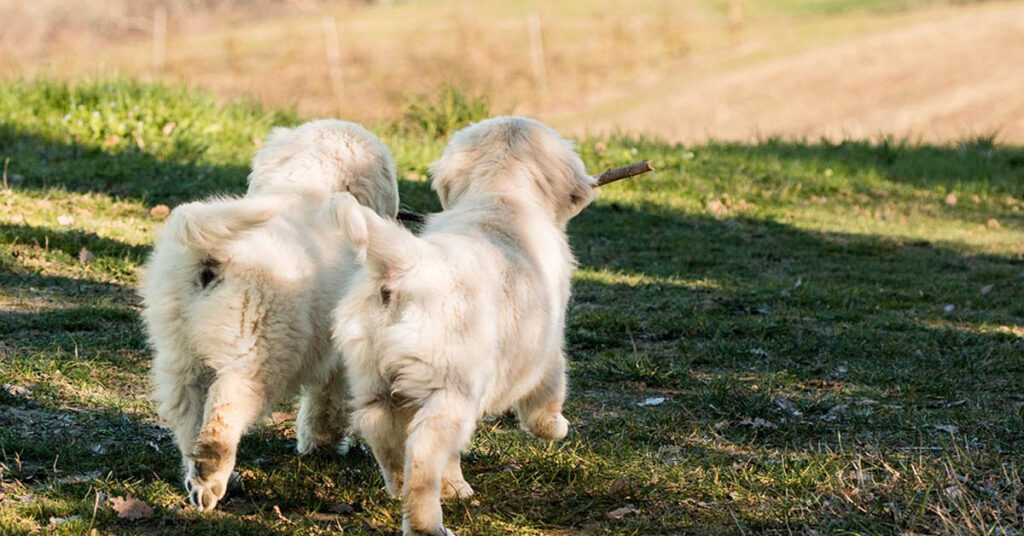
(942, 404)
(85, 256)
(138, 140)
(65, 219)
(342, 509)
(948, 428)
(277, 511)
(16, 390)
(992, 223)
(788, 405)
(600, 148)
(620, 487)
(949, 308)
(757, 423)
(951, 199)
(620, 513)
(159, 212)
(131, 508)
(279, 417)
(653, 401)
(986, 289)
(715, 207)
(55, 521)
(953, 491)
(720, 425)
(168, 128)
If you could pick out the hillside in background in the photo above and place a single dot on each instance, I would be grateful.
(685, 70)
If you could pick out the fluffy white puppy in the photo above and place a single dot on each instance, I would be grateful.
(468, 318)
(238, 292)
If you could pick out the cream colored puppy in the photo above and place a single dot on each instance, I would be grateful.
(468, 318)
(238, 292)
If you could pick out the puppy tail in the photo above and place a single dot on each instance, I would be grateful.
(377, 242)
(205, 227)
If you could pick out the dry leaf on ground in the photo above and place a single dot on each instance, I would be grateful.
(131, 508)
(159, 211)
(620, 513)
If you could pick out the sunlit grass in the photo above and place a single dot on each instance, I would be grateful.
(784, 336)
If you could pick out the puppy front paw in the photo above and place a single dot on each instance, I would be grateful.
(204, 492)
(344, 446)
(393, 481)
(551, 427)
(456, 489)
(408, 530)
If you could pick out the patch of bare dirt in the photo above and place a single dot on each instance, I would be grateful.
(958, 76)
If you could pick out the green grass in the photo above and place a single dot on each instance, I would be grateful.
(839, 345)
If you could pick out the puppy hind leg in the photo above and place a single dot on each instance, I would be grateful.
(439, 431)
(232, 405)
(180, 395)
(540, 411)
(323, 415)
(383, 427)
(453, 484)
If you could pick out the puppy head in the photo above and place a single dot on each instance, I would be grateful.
(516, 156)
(326, 157)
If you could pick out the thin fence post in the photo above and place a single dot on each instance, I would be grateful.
(333, 52)
(537, 57)
(159, 40)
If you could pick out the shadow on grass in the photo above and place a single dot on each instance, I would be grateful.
(740, 316)
(39, 164)
(975, 165)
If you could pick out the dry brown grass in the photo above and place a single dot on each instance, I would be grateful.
(681, 69)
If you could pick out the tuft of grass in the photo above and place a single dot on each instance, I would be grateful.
(834, 329)
(450, 110)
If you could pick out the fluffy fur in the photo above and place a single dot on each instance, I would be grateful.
(238, 294)
(468, 318)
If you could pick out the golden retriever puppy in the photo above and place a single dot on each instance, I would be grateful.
(466, 319)
(238, 294)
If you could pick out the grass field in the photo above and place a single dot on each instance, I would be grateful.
(835, 328)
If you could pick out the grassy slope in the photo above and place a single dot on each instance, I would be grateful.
(838, 345)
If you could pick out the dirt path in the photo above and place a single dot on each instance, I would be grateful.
(956, 76)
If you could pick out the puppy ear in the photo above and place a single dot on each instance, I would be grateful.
(580, 194)
(578, 189)
(450, 172)
(347, 215)
(268, 163)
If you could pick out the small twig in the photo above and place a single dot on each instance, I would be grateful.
(624, 172)
(609, 176)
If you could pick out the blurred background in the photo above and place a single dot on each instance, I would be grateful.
(682, 70)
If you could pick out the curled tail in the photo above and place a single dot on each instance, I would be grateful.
(205, 227)
(381, 243)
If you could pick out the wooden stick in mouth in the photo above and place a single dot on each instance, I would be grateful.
(609, 176)
(624, 172)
